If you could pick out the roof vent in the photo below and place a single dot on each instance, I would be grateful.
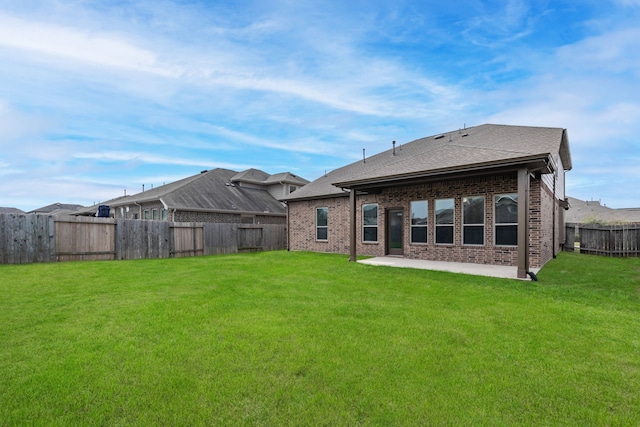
(439, 137)
(465, 134)
(204, 171)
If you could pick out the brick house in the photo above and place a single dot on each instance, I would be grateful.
(217, 195)
(491, 194)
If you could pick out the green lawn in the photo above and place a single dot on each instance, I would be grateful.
(284, 338)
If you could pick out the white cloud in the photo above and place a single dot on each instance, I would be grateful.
(79, 45)
(149, 158)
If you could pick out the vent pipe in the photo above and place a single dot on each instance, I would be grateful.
(363, 157)
(394, 147)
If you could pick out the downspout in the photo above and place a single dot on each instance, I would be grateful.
(166, 207)
(139, 210)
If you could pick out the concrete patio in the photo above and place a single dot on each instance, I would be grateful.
(505, 272)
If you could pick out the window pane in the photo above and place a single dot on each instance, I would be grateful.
(418, 234)
(419, 212)
(321, 217)
(507, 209)
(473, 210)
(371, 234)
(444, 234)
(507, 235)
(444, 211)
(321, 233)
(370, 214)
(473, 235)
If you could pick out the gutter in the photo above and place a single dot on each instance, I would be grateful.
(477, 168)
(230, 211)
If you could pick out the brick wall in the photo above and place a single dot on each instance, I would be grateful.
(303, 232)
(302, 225)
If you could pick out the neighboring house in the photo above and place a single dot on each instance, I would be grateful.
(57, 209)
(14, 211)
(581, 211)
(491, 194)
(218, 195)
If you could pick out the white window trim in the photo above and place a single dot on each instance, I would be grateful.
(369, 225)
(496, 224)
(322, 226)
(452, 225)
(484, 220)
(411, 226)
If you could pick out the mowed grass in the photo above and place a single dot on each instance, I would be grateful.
(286, 338)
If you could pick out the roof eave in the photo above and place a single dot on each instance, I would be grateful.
(315, 197)
(533, 163)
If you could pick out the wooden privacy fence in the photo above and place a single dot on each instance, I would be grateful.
(42, 238)
(610, 240)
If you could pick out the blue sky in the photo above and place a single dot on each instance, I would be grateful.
(99, 97)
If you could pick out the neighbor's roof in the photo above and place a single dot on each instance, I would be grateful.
(287, 177)
(57, 208)
(11, 211)
(472, 149)
(581, 211)
(208, 191)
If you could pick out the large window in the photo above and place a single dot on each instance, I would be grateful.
(419, 221)
(473, 220)
(506, 219)
(322, 223)
(444, 221)
(370, 223)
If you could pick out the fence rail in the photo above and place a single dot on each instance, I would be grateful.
(41, 238)
(609, 240)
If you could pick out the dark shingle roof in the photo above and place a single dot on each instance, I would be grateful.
(11, 211)
(57, 208)
(287, 177)
(475, 148)
(208, 191)
(582, 211)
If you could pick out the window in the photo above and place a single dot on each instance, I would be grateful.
(419, 221)
(292, 188)
(444, 221)
(322, 223)
(146, 214)
(163, 214)
(473, 220)
(247, 219)
(154, 214)
(506, 219)
(370, 223)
